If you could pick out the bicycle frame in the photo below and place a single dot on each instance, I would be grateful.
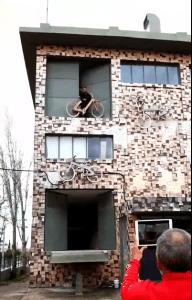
(83, 167)
(76, 108)
(157, 111)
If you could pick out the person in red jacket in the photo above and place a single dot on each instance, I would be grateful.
(174, 263)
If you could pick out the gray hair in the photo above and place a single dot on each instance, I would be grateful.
(174, 250)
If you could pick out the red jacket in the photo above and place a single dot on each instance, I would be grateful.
(175, 286)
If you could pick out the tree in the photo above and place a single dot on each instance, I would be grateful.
(2, 196)
(23, 195)
(16, 188)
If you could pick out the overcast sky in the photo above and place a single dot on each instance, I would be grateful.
(15, 94)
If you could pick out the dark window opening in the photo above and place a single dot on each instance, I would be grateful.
(80, 220)
(141, 73)
(65, 77)
(83, 227)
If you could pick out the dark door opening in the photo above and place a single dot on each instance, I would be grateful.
(148, 269)
(182, 223)
(83, 227)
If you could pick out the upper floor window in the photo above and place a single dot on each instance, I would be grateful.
(65, 79)
(149, 73)
(94, 147)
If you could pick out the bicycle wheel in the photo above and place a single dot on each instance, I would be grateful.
(144, 120)
(97, 109)
(98, 175)
(67, 173)
(69, 109)
(168, 115)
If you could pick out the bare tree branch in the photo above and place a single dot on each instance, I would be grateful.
(15, 186)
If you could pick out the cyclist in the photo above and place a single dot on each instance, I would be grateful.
(85, 98)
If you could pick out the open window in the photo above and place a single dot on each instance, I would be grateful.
(66, 76)
(79, 220)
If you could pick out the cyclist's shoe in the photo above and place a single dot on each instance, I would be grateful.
(83, 111)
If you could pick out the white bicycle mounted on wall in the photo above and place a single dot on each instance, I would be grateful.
(68, 173)
(144, 119)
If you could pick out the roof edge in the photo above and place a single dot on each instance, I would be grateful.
(111, 31)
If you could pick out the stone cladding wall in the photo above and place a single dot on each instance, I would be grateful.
(155, 161)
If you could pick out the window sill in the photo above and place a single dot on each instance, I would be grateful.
(87, 256)
(69, 119)
(169, 86)
(104, 161)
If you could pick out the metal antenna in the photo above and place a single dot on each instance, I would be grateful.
(47, 11)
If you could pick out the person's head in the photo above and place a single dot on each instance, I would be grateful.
(174, 251)
(84, 90)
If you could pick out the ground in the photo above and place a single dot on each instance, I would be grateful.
(20, 291)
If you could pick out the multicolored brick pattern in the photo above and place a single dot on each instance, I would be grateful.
(156, 161)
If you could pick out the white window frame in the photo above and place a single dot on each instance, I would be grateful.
(101, 138)
(155, 221)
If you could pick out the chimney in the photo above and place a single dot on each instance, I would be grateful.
(153, 22)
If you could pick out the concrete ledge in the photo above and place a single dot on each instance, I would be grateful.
(66, 257)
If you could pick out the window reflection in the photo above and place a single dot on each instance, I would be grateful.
(162, 77)
(150, 74)
(64, 147)
(137, 72)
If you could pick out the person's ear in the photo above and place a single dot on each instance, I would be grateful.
(159, 266)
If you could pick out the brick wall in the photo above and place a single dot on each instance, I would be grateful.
(155, 161)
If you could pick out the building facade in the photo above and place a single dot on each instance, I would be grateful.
(88, 228)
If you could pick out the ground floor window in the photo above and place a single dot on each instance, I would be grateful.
(80, 220)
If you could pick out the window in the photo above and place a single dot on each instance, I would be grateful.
(151, 74)
(63, 147)
(66, 76)
(79, 220)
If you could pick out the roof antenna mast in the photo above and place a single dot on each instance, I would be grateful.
(47, 11)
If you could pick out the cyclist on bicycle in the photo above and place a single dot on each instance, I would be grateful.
(85, 98)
